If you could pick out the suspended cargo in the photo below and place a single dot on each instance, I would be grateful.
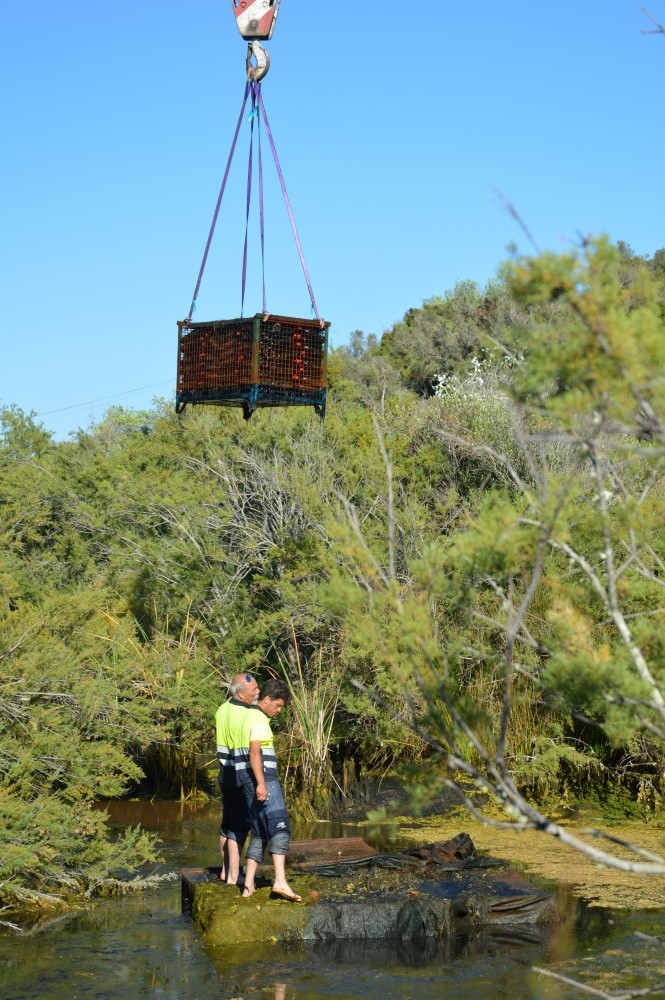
(255, 18)
(264, 360)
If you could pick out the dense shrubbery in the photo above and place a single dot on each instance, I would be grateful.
(152, 556)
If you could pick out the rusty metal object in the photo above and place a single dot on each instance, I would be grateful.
(451, 855)
(459, 848)
(305, 853)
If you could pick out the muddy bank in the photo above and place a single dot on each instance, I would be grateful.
(540, 855)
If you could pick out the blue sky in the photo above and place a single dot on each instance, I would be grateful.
(395, 129)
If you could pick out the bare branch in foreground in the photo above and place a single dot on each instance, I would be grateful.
(443, 724)
(613, 609)
(12, 927)
(621, 843)
(497, 782)
(618, 995)
(512, 211)
(658, 30)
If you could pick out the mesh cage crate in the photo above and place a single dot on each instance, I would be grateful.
(261, 361)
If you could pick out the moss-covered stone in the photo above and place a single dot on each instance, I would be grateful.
(369, 904)
(222, 916)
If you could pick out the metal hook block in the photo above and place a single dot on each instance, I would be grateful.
(255, 18)
(262, 57)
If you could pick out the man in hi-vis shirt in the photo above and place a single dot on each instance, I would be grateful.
(229, 725)
(269, 822)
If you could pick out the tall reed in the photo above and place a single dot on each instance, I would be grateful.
(314, 698)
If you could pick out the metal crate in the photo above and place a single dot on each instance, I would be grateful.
(261, 361)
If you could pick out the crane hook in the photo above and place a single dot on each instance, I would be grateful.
(256, 18)
(262, 57)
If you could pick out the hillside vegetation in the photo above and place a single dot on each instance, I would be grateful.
(465, 561)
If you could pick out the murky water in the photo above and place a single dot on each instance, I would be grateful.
(142, 946)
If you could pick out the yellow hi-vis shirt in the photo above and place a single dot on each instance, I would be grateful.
(229, 725)
(256, 727)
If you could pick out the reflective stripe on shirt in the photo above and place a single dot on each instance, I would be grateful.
(229, 727)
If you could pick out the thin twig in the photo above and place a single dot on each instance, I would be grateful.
(658, 30)
(622, 843)
(518, 219)
(619, 995)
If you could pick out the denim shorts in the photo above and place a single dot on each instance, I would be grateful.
(269, 822)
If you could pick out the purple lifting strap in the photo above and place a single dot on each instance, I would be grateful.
(250, 164)
(261, 216)
(219, 202)
(258, 109)
(288, 204)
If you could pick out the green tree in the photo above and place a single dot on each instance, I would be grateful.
(550, 588)
(447, 331)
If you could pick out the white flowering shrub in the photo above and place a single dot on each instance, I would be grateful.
(476, 408)
(483, 374)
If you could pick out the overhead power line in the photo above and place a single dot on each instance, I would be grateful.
(103, 399)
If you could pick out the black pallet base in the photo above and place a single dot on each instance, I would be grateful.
(250, 402)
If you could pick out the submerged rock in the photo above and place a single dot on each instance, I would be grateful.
(431, 893)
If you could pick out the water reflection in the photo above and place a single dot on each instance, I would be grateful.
(484, 966)
(430, 951)
(466, 969)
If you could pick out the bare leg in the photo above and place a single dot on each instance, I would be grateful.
(222, 850)
(233, 862)
(280, 884)
(250, 875)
